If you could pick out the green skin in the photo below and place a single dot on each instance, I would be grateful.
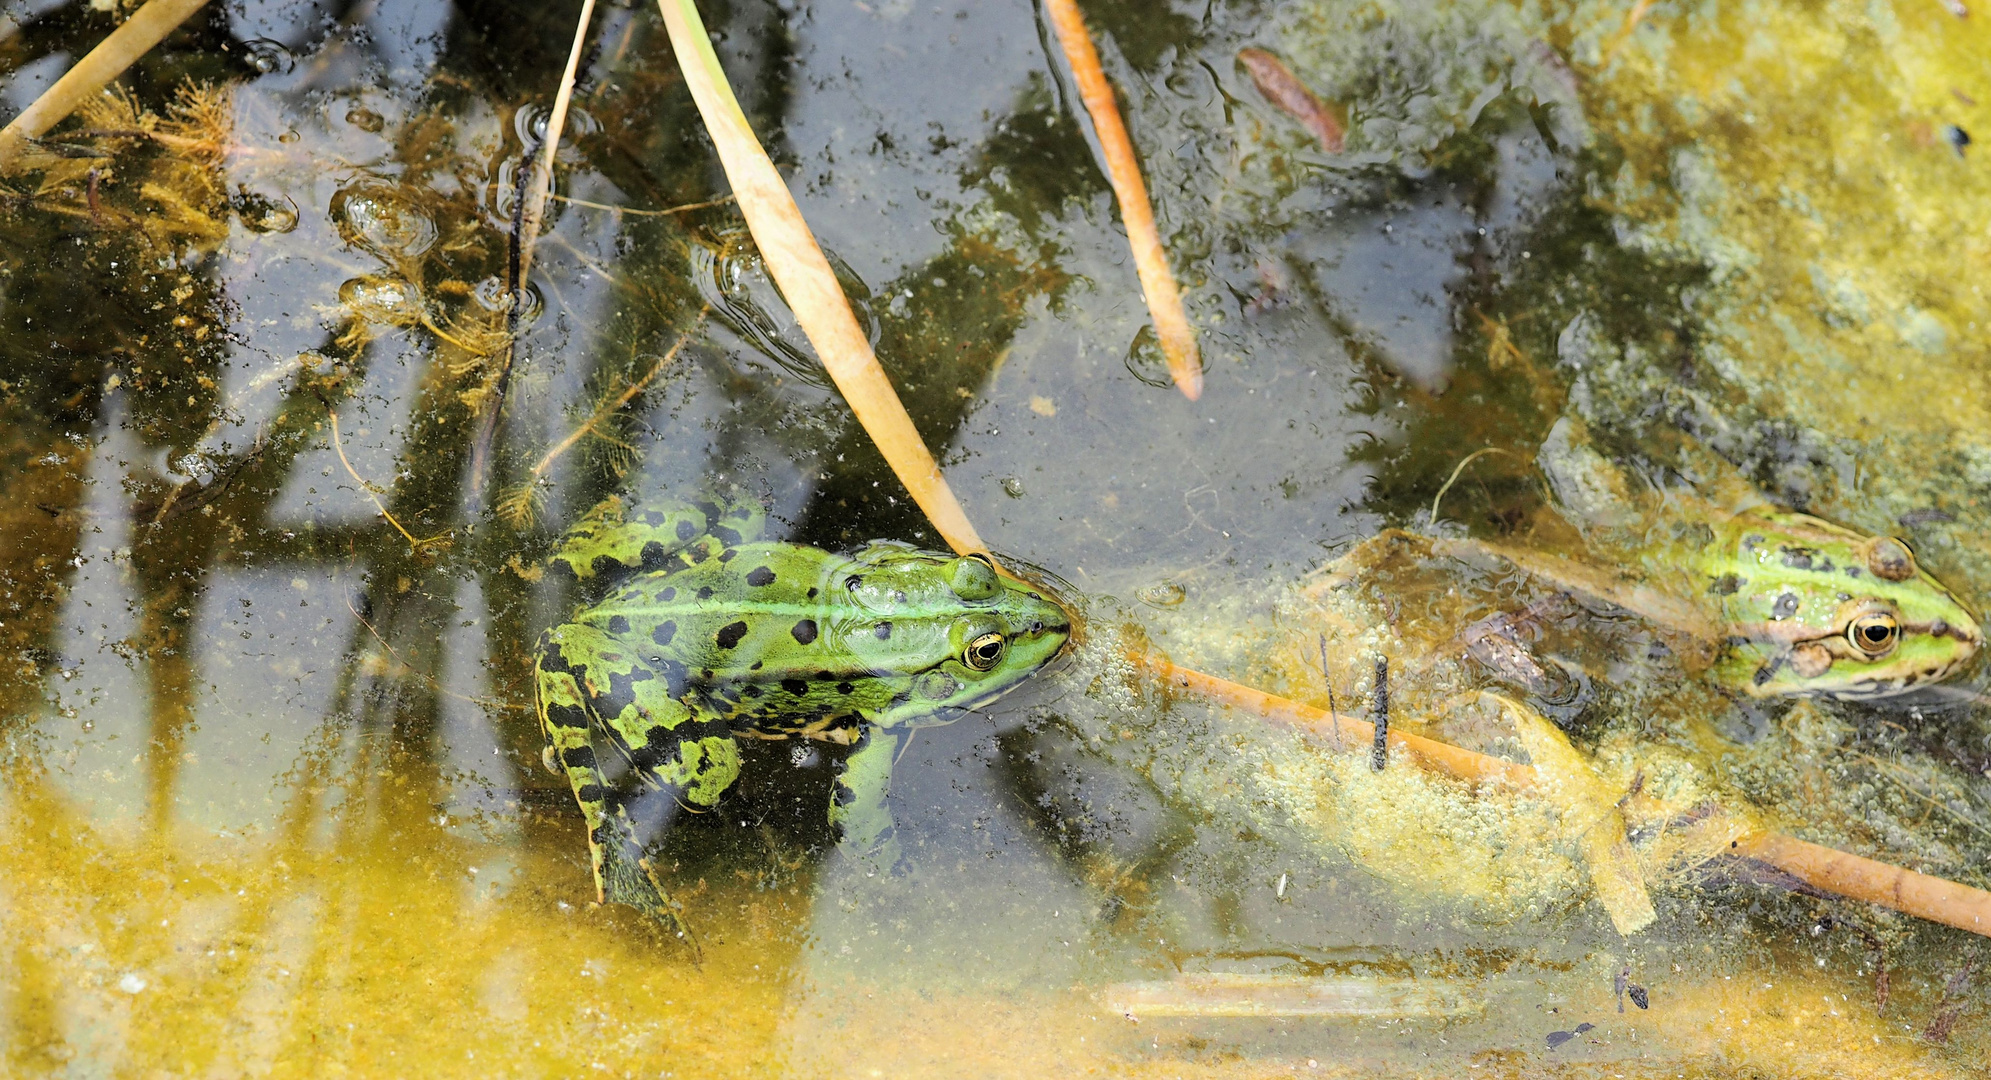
(703, 635)
(1784, 603)
(1808, 607)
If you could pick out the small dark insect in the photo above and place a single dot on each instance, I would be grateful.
(1379, 713)
(1286, 92)
(1638, 995)
(1957, 137)
(1557, 1038)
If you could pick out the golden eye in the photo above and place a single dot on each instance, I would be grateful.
(1873, 636)
(985, 652)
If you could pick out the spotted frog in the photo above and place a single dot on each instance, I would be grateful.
(699, 634)
(1773, 602)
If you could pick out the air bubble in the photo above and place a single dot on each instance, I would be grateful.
(374, 215)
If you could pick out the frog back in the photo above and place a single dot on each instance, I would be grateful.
(614, 540)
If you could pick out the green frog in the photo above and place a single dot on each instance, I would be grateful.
(1770, 601)
(694, 634)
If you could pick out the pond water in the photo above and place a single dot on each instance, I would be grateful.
(271, 587)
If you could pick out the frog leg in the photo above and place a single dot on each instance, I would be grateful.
(673, 757)
(614, 537)
(858, 808)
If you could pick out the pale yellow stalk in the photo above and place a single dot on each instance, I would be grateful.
(802, 273)
(542, 180)
(148, 26)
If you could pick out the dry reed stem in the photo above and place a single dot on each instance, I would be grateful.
(1922, 895)
(1123, 170)
(542, 180)
(148, 26)
(803, 274)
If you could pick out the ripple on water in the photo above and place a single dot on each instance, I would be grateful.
(730, 274)
(375, 215)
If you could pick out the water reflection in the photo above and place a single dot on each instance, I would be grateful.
(273, 790)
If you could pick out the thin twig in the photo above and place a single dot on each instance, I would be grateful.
(1452, 479)
(672, 211)
(148, 26)
(367, 488)
(1123, 170)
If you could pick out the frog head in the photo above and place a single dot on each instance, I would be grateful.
(949, 632)
(1812, 608)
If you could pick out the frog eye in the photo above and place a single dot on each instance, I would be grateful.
(1890, 559)
(1873, 635)
(973, 577)
(985, 652)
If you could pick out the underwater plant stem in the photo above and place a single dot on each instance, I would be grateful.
(1932, 898)
(803, 274)
(148, 26)
(1123, 170)
(1922, 895)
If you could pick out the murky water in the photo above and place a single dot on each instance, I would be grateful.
(269, 586)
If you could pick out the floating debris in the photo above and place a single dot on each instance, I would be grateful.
(1557, 1038)
(1287, 93)
(1266, 995)
(1162, 594)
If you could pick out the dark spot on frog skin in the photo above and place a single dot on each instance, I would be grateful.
(654, 555)
(804, 631)
(882, 631)
(845, 688)
(705, 593)
(797, 687)
(566, 716)
(1768, 671)
(604, 566)
(652, 518)
(621, 692)
(686, 530)
(728, 555)
(1749, 542)
(812, 592)
(750, 690)
(1785, 607)
(618, 624)
(578, 757)
(588, 793)
(666, 594)
(759, 576)
(1797, 558)
(1853, 571)
(1940, 628)
(730, 634)
(756, 665)
(900, 596)
(826, 676)
(1727, 585)
(664, 632)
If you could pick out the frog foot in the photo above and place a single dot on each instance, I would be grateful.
(634, 883)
